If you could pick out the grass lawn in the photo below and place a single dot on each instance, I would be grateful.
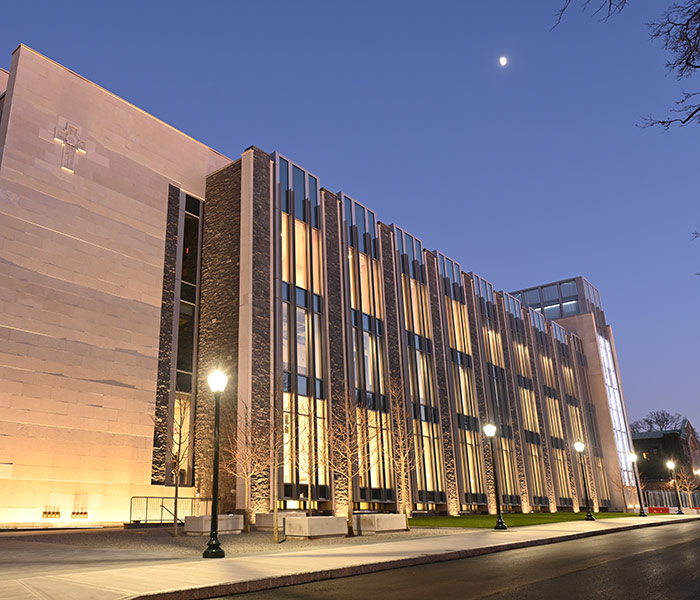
(511, 520)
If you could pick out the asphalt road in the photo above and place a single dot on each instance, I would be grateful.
(651, 563)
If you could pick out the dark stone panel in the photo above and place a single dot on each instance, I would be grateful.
(394, 346)
(165, 345)
(218, 320)
(336, 300)
(445, 402)
(261, 366)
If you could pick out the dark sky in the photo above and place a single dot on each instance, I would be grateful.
(525, 174)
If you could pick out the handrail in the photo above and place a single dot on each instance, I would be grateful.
(155, 509)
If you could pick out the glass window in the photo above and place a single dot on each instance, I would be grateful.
(192, 205)
(300, 248)
(570, 308)
(299, 192)
(185, 338)
(361, 229)
(313, 200)
(302, 342)
(550, 293)
(568, 290)
(189, 249)
(284, 182)
(552, 312)
(531, 297)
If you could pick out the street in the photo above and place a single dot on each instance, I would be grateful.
(651, 563)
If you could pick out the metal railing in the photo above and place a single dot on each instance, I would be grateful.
(154, 509)
(668, 499)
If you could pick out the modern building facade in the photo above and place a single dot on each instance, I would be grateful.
(135, 260)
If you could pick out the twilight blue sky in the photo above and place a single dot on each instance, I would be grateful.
(526, 175)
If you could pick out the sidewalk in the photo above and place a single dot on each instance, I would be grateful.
(180, 579)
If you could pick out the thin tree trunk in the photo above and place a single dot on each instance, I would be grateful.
(246, 507)
(177, 493)
(275, 524)
(351, 527)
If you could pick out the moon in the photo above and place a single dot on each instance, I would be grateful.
(503, 60)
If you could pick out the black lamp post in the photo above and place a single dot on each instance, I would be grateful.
(490, 431)
(580, 447)
(671, 466)
(633, 460)
(217, 384)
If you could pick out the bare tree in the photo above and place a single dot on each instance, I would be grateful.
(664, 420)
(657, 420)
(687, 482)
(177, 446)
(353, 442)
(678, 28)
(245, 454)
(403, 458)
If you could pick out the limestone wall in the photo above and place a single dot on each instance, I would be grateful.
(81, 268)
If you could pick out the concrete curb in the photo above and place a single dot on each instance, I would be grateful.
(268, 583)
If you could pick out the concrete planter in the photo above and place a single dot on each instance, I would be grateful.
(265, 521)
(202, 525)
(315, 527)
(378, 523)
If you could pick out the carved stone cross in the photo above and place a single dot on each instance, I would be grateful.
(68, 136)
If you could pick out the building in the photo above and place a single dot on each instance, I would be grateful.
(655, 448)
(135, 260)
(575, 305)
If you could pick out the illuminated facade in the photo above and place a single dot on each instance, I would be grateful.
(332, 326)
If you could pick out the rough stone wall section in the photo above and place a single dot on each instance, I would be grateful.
(335, 301)
(261, 381)
(445, 402)
(218, 319)
(165, 346)
(394, 334)
(513, 397)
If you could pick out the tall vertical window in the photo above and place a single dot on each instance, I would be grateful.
(495, 373)
(421, 388)
(458, 341)
(526, 396)
(301, 310)
(366, 317)
(187, 284)
(617, 414)
(555, 420)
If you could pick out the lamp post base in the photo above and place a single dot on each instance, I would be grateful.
(642, 513)
(680, 512)
(589, 516)
(214, 550)
(500, 524)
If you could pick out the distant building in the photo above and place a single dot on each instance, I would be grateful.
(135, 259)
(655, 448)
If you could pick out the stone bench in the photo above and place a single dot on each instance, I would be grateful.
(315, 527)
(265, 521)
(201, 525)
(378, 523)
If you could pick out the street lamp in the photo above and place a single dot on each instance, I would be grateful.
(490, 431)
(671, 466)
(580, 447)
(217, 383)
(633, 460)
